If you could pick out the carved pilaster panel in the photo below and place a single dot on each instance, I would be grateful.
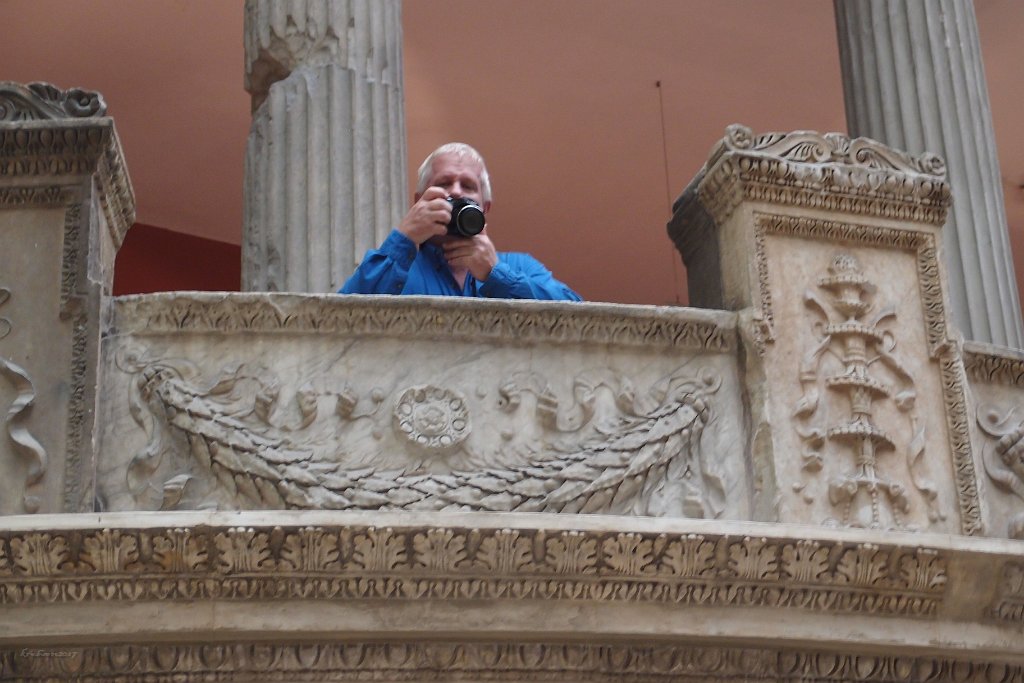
(65, 204)
(873, 391)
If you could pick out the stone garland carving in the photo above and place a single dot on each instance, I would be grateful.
(423, 318)
(425, 563)
(1003, 455)
(851, 335)
(43, 101)
(17, 416)
(1009, 605)
(649, 463)
(475, 661)
(861, 176)
(941, 347)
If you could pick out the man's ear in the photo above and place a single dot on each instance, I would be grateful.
(487, 206)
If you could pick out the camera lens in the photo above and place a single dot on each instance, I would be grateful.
(470, 221)
(467, 217)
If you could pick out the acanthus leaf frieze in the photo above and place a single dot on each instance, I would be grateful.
(355, 562)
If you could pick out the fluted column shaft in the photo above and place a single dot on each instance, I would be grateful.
(913, 78)
(325, 170)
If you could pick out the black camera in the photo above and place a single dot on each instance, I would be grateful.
(467, 217)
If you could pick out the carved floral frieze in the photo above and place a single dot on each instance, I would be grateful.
(1009, 605)
(325, 448)
(422, 563)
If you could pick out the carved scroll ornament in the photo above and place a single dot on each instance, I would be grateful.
(824, 171)
(24, 443)
(1003, 456)
(645, 460)
(42, 101)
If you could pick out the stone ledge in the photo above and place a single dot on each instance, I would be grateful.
(517, 660)
(168, 575)
(426, 317)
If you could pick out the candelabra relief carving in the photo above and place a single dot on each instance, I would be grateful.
(1003, 456)
(850, 378)
(234, 441)
(17, 416)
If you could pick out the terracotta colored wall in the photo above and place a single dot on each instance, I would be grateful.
(155, 260)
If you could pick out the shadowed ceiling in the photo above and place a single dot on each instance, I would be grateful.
(586, 150)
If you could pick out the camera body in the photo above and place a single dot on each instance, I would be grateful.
(467, 217)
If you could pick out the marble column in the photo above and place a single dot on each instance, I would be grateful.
(325, 171)
(913, 78)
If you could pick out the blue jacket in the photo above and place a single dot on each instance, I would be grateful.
(398, 267)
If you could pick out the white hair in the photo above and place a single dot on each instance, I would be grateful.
(459, 149)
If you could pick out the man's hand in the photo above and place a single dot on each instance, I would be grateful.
(428, 217)
(476, 254)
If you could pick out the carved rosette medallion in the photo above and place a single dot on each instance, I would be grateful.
(432, 418)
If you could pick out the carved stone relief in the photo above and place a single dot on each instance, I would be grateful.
(823, 171)
(15, 422)
(41, 101)
(996, 377)
(879, 375)
(852, 372)
(1003, 456)
(505, 564)
(236, 441)
(357, 402)
(1009, 605)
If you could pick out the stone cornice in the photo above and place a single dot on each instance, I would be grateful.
(991, 364)
(829, 172)
(510, 660)
(427, 317)
(48, 154)
(336, 556)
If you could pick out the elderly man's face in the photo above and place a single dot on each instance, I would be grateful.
(459, 176)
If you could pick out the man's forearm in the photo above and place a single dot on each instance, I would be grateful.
(383, 270)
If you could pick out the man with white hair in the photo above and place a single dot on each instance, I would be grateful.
(421, 257)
